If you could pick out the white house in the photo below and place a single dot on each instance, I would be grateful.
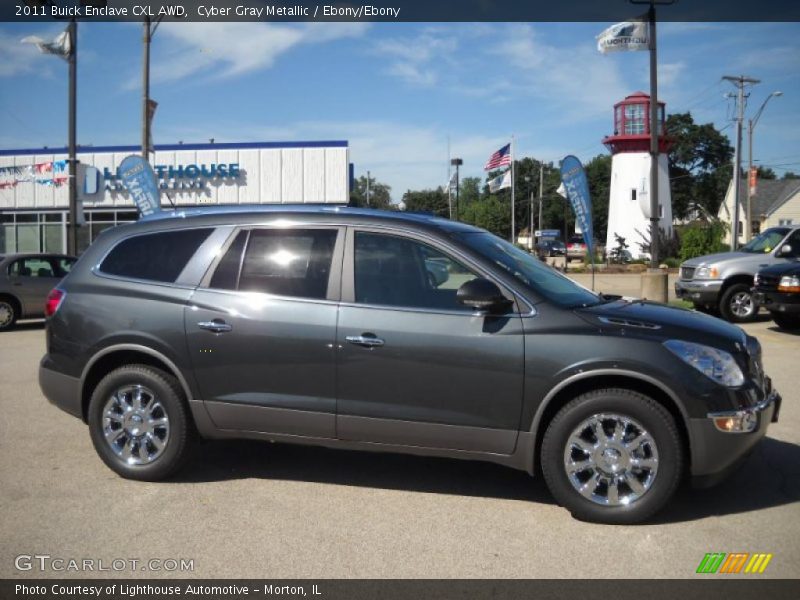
(775, 202)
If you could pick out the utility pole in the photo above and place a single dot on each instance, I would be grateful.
(149, 29)
(72, 228)
(541, 193)
(751, 124)
(457, 162)
(739, 81)
(654, 282)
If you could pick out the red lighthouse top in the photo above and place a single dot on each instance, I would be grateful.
(632, 126)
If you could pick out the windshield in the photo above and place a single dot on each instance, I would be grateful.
(765, 242)
(530, 271)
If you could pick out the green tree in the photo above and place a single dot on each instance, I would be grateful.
(790, 175)
(699, 164)
(427, 201)
(469, 190)
(491, 213)
(379, 194)
(701, 238)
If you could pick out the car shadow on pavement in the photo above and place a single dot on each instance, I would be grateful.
(776, 329)
(223, 460)
(768, 478)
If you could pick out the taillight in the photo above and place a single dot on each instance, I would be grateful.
(54, 300)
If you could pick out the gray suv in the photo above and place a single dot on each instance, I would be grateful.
(394, 332)
(723, 282)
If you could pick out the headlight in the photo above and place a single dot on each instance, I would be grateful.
(714, 363)
(755, 280)
(789, 283)
(706, 273)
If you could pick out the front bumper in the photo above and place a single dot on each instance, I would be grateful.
(698, 291)
(781, 302)
(61, 390)
(716, 453)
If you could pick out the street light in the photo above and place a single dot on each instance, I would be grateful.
(148, 106)
(751, 124)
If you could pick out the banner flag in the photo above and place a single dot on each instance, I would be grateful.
(628, 35)
(500, 182)
(573, 178)
(138, 176)
(60, 46)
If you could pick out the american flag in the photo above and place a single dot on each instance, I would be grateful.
(501, 158)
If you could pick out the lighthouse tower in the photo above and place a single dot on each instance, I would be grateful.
(629, 198)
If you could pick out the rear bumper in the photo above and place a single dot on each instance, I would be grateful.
(59, 389)
(715, 454)
(699, 292)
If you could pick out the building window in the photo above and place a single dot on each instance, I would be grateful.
(755, 228)
(785, 222)
(633, 193)
(634, 119)
(660, 211)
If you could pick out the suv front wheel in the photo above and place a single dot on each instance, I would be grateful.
(612, 456)
(736, 304)
(138, 422)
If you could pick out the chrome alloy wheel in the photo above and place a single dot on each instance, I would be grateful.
(741, 305)
(135, 425)
(611, 460)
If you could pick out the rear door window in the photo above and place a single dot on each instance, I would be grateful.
(283, 262)
(154, 256)
(31, 267)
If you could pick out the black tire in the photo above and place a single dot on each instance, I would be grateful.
(168, 393)
(785, 321)
(9, 312)
(653, 417)
(738, 293)
(706, 309)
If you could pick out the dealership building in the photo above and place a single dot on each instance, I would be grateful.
(34, 190)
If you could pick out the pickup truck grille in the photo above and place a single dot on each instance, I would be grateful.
(687, 272)
(768, 282)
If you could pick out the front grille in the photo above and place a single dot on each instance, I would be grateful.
(768, 282)
(687, 272)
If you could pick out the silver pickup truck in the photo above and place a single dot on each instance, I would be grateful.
(723, 282)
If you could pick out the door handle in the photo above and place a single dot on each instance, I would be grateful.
(216, 325)
(367, 340)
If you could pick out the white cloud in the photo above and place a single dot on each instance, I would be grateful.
(587, 82)
(222, 50)
(417, 59)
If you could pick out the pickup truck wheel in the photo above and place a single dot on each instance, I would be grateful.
(612, 456)
(736, 304)
(8, 314)
(786, 321)
(139, 423)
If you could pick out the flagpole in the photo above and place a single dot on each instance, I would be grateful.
(513, 208)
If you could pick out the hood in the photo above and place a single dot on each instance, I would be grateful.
(747, 261)
(641, 319)
(790, 268)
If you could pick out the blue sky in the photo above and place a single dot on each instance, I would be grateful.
(395, 91)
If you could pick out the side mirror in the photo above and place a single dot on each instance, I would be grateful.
(786, 250)
(484, 295)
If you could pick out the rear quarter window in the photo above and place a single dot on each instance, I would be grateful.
(154, 256)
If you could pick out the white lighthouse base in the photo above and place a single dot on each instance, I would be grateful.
(629, 201)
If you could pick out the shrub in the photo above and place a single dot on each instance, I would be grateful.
(700, 238)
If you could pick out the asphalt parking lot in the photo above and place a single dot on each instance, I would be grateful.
(246, 509)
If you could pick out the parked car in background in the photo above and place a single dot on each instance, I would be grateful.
(724, 281)
(330, 326)
(576, 246)
(548, 248)
(777, 289)
(25, 281)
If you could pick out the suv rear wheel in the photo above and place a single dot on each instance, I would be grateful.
(138, 422)
(612, 456)
(736, 304)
